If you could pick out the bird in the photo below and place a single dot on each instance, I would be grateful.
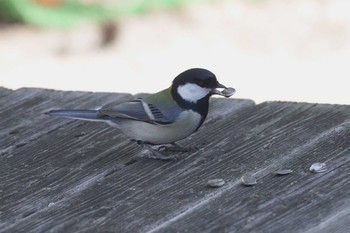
(161, 118)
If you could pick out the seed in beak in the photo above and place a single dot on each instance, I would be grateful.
(227, 92)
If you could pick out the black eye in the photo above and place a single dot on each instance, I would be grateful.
(201, 83)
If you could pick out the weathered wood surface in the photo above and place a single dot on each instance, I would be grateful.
(60, 175)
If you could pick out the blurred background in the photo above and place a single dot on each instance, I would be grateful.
(295, 50)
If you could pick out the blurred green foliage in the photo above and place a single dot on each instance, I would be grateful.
(65, 13)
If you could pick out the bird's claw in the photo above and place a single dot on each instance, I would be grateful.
(176, 148)
(157, 154)
(152, 154)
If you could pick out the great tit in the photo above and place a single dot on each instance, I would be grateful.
(161, 118)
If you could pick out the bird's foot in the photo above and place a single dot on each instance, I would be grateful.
(157, 154)
(176, 148)
(154, 154)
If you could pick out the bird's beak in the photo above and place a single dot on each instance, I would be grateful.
(219, 85)
(227, 92)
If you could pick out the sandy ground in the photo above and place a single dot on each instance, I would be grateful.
(296, 50)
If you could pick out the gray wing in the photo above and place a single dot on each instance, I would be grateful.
(135, 110)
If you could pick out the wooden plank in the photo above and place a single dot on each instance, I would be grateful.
(4, 91)
(23, 119)
(299, 202)
(263, 144)
(85, 177)
(58, 166)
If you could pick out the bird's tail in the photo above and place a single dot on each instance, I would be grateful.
(89, 115)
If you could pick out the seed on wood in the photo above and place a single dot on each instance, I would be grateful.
(215, 183)
(282, 172)
(318, 167)
(248, 180)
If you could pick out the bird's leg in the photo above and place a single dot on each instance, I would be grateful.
(176, 148)
(154, 154)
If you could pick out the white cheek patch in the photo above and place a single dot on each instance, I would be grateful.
(192, 92)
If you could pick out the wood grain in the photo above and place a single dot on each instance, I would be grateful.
(62, 175)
